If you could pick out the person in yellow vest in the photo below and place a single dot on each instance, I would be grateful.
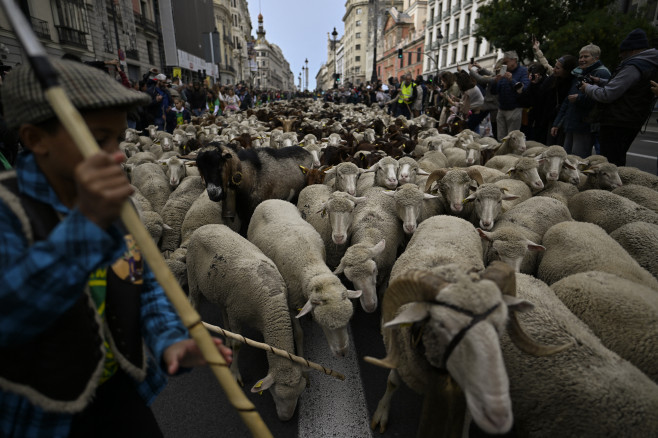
(406, 96)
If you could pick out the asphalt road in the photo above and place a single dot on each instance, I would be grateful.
(644, 150)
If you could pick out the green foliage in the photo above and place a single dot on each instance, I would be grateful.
(561, 26)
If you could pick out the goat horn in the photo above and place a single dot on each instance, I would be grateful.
(413, 286)
(434, 176)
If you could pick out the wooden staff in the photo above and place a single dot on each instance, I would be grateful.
(267, 347)
(73, 122)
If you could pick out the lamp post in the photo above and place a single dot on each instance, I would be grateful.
(375, 14)
(334, 34)
(300, 81)
(306, 83)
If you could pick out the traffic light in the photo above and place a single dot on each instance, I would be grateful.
(400, 53)
(336, 79)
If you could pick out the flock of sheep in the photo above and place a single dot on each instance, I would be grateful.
(270, 214)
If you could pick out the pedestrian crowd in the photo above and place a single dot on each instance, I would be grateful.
(574, 101)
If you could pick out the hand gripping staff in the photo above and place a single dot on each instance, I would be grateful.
(76, 127)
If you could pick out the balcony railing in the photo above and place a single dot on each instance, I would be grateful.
(466, 3)
(454, 36)
(133, 54)
(439, 15)
(435, 44)
(430, 21)
(457, 7)
(145, 23)
(40, 27)
(72, 37)
(464, 32)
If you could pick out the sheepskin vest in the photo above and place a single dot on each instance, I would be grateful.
(633, 107)
(59, 370)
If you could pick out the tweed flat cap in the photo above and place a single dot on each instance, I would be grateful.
(88, 88)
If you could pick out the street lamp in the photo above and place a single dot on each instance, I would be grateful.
(334, 34)
(375, 14)
(306, 83)
(300, 81)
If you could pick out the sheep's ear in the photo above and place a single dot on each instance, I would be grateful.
(377, 249)
(517, 304)
(330, 171)
(340, 268)
(509, 197)
(166, 227)
(373, 168)
(358, 199)
(486, 235)
(263, 384)
(532, 246)
(469, 198)
(390, 193)
(422, 172)
(354, 294)
(590, 171)
(413, 312)
(306, 309)
(568, 165)
(428, 196)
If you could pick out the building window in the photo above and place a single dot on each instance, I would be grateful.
(358, 47)
(358, 35)
(358, 11)
(357, 58)
(454, 56)
(72, 26)
(464, 52)
(419, 55)
(358, 23)
(409, 60)
(149, 51)
(357, 70)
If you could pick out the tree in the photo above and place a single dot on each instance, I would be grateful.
(561, 26)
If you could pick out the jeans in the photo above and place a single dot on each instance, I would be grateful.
(475, 119)
(578, 143)
(508, 121)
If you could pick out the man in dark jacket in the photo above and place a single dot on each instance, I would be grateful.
(197, 99)
(160, 101)
(510, 111)
(626, 97)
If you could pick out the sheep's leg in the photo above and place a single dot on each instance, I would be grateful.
(234, 345)
(383, 407)
(298, 334)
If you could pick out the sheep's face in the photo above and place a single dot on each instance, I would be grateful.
(476, 363)
(386, 173)
(407, 172)
(285, 396)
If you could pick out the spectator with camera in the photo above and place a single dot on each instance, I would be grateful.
(626, 100)
(506, 86)
(574, 116)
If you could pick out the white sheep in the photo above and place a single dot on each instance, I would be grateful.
(173, 212)
(414, 206)
(203, 211)
(433, 160)
(298, 252)
(513, 143)
(520, 230)
(641, 195)
(640, 240)
(603, 176)
(608, 210)
(632, 175)
(409, 171)
(343, 177)
(488, 204)
(376, 238)
(585, 391)
(236, 276)
(152, 182)
(386, 171)
(573, 247)
(621, 313)
(331, 214)
(560, 190)
(454, 185)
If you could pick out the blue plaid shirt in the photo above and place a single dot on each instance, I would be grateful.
(42, 281)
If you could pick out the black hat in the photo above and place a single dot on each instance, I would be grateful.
(637, 39)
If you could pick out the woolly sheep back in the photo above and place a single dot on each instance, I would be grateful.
(640, 240)
(573, 247)
(608, 210)
(621, 313)
(585, 391)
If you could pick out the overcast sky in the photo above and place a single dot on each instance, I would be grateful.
(299, 28)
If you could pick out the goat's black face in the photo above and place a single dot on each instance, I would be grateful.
(211, 166)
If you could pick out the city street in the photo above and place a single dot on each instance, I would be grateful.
(644, 150)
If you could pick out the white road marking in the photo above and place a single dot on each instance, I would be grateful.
(650, 141)
(653, 157)
(329, 407)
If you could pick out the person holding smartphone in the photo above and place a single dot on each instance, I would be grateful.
(510, 111)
